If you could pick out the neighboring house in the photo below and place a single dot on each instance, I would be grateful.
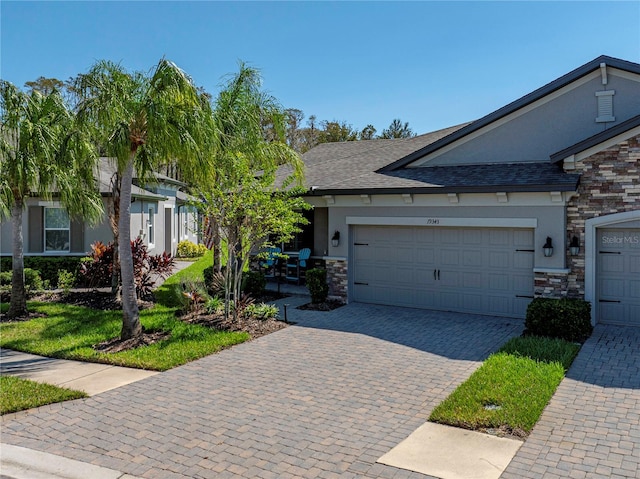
(457, 219)
(160, 215)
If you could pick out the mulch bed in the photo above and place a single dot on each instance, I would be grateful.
(104, 300)
(254, 326)
(116, 345)
(324, 306)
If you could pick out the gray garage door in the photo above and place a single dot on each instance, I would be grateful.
(618, 276)
(475, 270)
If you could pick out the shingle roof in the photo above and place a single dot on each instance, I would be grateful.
(106, 169)
(330, 164)
(355, 168)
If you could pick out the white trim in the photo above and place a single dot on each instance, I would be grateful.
(603, 72)
(443, 222)
(408, 198)
(607, 144)
(590, 234)
(334, 258)
(552, 270)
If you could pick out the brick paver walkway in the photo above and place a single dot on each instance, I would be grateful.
(591, 427)
(322, 399)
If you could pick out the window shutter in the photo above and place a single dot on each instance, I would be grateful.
(35, 229)
(77, 237)
(605, 106)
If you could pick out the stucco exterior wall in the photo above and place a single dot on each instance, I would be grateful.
(549, 220)
(549, 127)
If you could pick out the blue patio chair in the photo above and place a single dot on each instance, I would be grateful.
(269, 264)
(297, 265)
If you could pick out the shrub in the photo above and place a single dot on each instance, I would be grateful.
(191, 294)
(188, 249)
(66, 280)
(213, 281)
(253, 283)
(32, 280)
(47, 266)
(261, 311)
(214, 305)
(5, 278)
(566, 318)
(97, 271)
(317, 284)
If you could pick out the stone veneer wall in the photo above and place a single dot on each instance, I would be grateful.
(609, 183)
(337, 278)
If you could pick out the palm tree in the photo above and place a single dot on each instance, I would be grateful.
(142, 121)
(42, 152)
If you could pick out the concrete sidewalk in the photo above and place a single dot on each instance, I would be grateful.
(92, 378)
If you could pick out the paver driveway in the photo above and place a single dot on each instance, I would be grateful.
(591, 427)
(321, 399)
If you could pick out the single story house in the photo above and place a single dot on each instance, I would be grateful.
(160, 215)
(538, 198)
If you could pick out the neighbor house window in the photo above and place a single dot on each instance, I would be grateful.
(56, 229)
(150, 224)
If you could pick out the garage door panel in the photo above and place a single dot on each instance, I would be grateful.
(472, 258)
(521, 284)
(522, 239)
(499, 237)
(472, 302)
(449, 237)
(612, 263)
(618, 276)
(450, 257)
(612, 288)
(450, 301)
(634, 264)
(473, 280)
(499, 259)
(522, 260)
(499, 305)
(475, 265)
(424, 256)
(472, 237)
(498, 282)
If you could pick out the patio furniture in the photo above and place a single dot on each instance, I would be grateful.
(270, 263)
(297, 264)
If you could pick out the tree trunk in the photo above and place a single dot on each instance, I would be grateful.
(113, 222)
(18, 304)
(217, 254)
(131, 326)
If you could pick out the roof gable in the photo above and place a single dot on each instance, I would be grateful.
(511, 108)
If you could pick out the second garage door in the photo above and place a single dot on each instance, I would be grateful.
(474, 270)
(619, 276)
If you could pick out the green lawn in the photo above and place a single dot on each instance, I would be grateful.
(69, 332)
(511, 388)
(17, 394)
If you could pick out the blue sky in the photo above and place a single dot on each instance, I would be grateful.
(433, 64)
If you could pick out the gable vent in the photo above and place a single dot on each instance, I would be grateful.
(605, 106)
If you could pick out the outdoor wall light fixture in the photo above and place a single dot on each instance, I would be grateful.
(335, 239)
(574, 246)
(547, 248)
